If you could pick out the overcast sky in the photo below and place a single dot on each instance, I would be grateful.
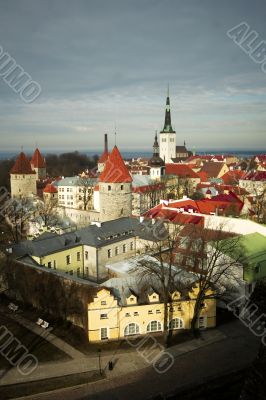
(107, 63)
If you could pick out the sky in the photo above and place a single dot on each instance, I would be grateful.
(104, 65)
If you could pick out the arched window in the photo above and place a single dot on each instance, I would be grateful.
(131, 329)
(176, 323)
(154, 326)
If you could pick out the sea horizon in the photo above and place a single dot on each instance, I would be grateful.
(242, 153)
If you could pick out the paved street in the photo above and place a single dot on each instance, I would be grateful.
(232, 347)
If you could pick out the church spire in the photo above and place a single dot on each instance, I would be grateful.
(155, 146)
(167, 120)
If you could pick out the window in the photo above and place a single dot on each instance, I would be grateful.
(131, 329)
(131, 245)
(154, 296)
(49, 264)
(78, 256)
(158, 311)
(109, 253)
(136, 314)
(87, 271)
(124, 248)
(68, 260)
(109, 188)
(150, 312)
(116, 251)
(103, 316)
(103, 303)
(104, 334)
(86, 255)
(176, 323)
(122, 187)
(127, 314)
(54, 264)
(154, 326)
(78, 271)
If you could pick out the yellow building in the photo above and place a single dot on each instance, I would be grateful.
(115, 315)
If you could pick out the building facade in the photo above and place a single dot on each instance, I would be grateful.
(124, 316)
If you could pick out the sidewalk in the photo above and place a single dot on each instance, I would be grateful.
(124, 363)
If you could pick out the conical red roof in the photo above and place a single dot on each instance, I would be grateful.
(22, 165)
(49, 188)
(104, 157)
(37, 160)
(115, 170)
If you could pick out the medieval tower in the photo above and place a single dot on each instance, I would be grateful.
(115, 188)
(38, 165)
(22, 178)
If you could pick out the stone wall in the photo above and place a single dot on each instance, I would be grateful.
(115, 201)
(23, 185)
(47, 291)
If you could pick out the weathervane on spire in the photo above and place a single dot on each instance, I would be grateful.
(115, 134)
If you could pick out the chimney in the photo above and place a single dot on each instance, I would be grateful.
(106, 142)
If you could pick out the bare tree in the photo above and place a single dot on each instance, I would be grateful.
(161, 246)
(15, 216)
(85, 193)
(47, 210)
(211, 255)
(260, 206)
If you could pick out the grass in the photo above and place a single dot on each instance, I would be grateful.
(42, 386)
(36, 345)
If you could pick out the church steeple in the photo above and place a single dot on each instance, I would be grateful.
(155, 146)
(167, 120)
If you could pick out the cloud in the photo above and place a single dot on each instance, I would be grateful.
(105, 64)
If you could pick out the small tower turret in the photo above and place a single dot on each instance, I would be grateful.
(38, 164)
(115, 188)
(22, 178)
(157, 165)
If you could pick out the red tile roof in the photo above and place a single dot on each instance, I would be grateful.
(22, 165)
(181, 170)
(232, 177)
(220, 204)
(50, 189)
(115, 170)
(37, 160)
(104, 157)
(255, 176)
(212, 169)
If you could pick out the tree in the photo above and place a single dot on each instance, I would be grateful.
(161, 268)
(211, 256)
(85, 193)
(47, 211)
(260, 206)
(15, 216)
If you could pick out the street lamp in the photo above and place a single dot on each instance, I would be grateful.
(100, 366)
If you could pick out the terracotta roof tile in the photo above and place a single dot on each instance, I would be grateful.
(22, 165)
(115, 170)
(104, 157)
(37, 160)
(50, 189)
(181, 170)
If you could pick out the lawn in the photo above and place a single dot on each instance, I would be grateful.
(36, 345)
